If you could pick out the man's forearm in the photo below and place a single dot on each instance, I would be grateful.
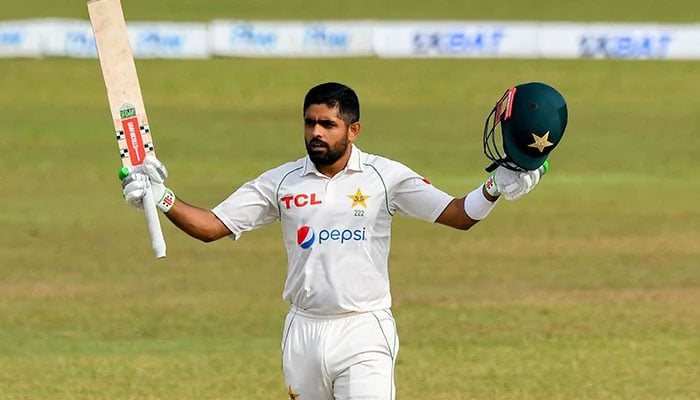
(197, 222)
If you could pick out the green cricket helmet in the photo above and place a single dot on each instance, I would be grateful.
(532, 117)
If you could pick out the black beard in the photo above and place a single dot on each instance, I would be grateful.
(328, 157)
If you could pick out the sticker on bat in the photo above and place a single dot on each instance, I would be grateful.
(132, 130)
(127, 111)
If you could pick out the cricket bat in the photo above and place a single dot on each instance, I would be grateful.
(125, 99)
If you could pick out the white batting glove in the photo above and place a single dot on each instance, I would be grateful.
(148, 176)
(512, 184)
(154, 169)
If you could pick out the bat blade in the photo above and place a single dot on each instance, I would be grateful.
(126, 105)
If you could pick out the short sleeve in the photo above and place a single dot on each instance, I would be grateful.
(250, 207)
(416, 197)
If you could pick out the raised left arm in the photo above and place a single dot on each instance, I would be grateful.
(465, 212)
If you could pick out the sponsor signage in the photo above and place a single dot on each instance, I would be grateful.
(291, 39)
(169, 40)
(20, 39)
(455, 39)
(408, 39)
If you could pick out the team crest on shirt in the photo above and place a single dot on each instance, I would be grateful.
(292, 395)
(358, 199)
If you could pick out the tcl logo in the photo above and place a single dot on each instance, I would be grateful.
(300, 200)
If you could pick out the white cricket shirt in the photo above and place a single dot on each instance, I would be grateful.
(337, 230)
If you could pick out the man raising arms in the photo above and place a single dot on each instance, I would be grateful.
(335, 206)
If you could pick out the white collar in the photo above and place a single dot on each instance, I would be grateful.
(354, 162)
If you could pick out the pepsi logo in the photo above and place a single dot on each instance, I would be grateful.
(305, 237)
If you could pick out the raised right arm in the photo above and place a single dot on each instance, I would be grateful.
(197, 222)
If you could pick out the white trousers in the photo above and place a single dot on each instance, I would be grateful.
(347, 357)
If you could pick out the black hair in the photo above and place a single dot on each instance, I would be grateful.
(335, 94)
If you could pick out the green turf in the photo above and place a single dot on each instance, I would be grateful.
(204, 10)
(588, 288)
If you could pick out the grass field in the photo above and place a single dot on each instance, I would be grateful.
(588, 288)
(203, 10)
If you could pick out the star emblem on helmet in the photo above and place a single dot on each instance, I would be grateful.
(541, 142)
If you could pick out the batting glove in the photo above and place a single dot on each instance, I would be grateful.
(150, 175)
(512, 184)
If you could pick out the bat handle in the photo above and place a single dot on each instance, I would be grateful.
(157, 240)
